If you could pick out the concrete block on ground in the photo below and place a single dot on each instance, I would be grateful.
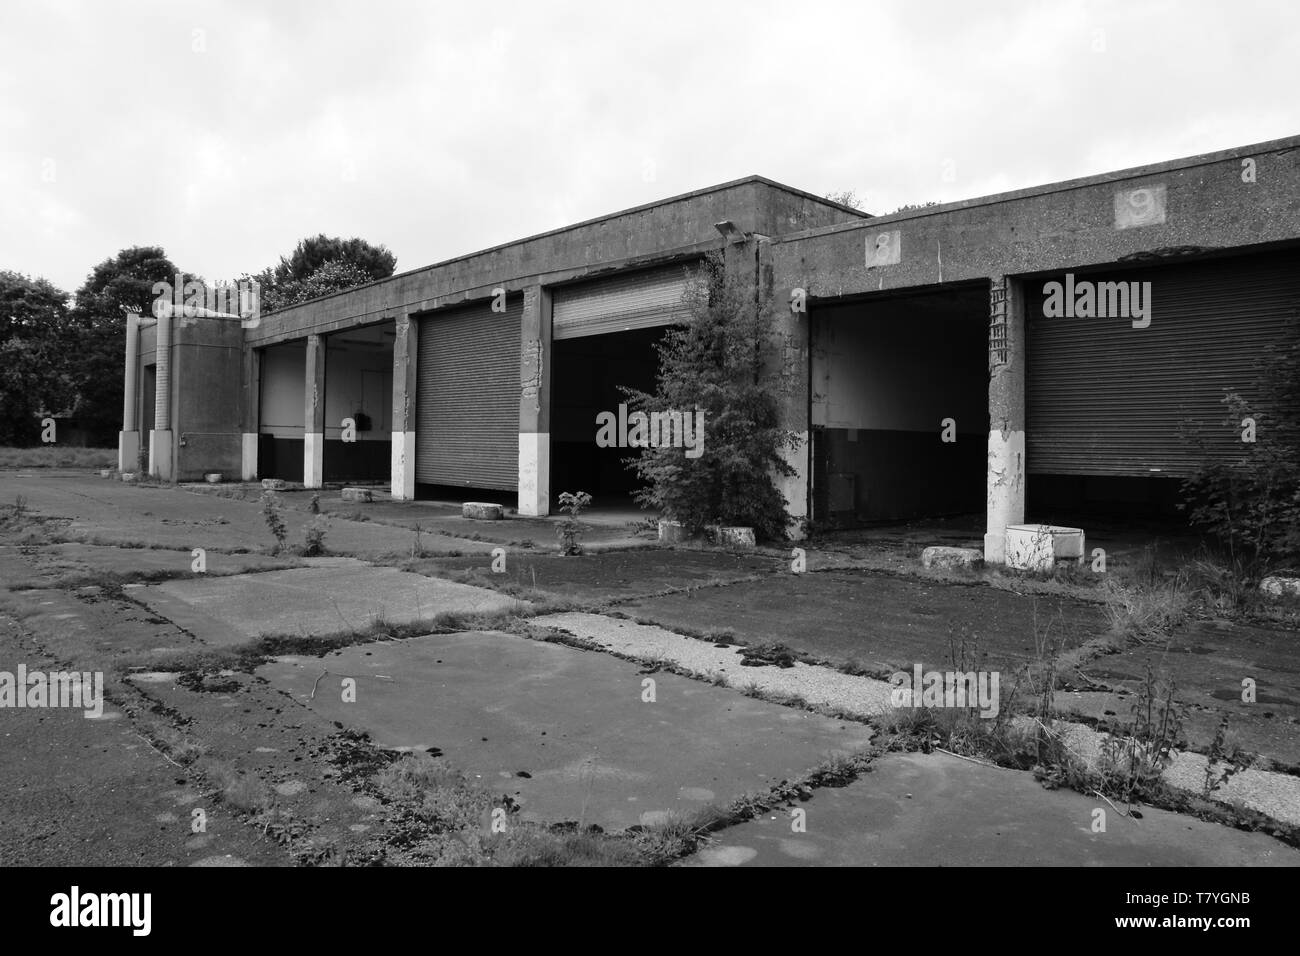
(672, 532)
(213, 477)
(733, 537)
(106, 472)
(943, 557)
(357, 494)
(483, 511)
(129, 476)
(1279, 586)
(1037, 547)
(274, 484)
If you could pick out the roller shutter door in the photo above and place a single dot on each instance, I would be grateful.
(1105, 398)
(633, 300)
(467, 425)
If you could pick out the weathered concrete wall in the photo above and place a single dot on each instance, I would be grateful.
(284, 369)
(1200, 202)
(632, 237)
(207, 387)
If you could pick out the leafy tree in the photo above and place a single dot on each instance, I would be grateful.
(312, 253)
(719, 363)
(1251, 506)
(33, 332)
(847, 197)
(909, 207)
(96, 341)
(320, 265)
(333, 276)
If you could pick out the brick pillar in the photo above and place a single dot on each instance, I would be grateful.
(405, 382)
(313, 446)
(788, 356)
(1006, 460)
(535, 404)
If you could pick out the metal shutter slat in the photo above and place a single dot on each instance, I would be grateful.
(1104, 398)
(634, 300)
(467, 399)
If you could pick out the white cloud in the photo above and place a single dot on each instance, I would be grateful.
(439, 129)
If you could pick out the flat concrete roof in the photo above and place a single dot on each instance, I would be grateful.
(1135, 172)
(644, 207)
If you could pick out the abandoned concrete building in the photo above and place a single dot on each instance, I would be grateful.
(943, 376)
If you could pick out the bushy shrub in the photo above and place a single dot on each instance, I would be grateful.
(728, 363)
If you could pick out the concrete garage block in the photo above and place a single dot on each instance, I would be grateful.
(482, 511)
(357, 494)
(941, 557)
(274, 484)
(1037, 547)
(1277, 586)
(129, 476)
(213, 477)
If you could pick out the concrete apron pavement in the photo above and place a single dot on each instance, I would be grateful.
(570, 735)
(678, 756)
(1276, 795)
(330, 596)
(937, 810)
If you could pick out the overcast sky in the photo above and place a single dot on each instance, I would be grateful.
(225, 132)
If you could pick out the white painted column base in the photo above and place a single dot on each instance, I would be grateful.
(313, 460)
(535, 474)
(1006, 491)
(128, 451)
(161, 454)
(795, 487)
(248, 457)
(402, 477)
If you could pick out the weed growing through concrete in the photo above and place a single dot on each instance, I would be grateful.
(1133, 760)
(1224, 759)
(570, 529)
(313, 535)
(272, 512)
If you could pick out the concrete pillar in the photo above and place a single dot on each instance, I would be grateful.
(406, 352)
(313, 445)
(1006, 461)
(128, 439)
(535, 404)
(162, 452)
(788, 360)
(252, 412)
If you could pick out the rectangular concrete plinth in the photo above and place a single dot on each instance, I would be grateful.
(577, 723)
(128, 451)
(160, 454)
(939, 556)
(1037, 547)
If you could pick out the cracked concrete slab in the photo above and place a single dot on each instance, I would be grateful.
(567, 733)
(336, 595)
(936, 810)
